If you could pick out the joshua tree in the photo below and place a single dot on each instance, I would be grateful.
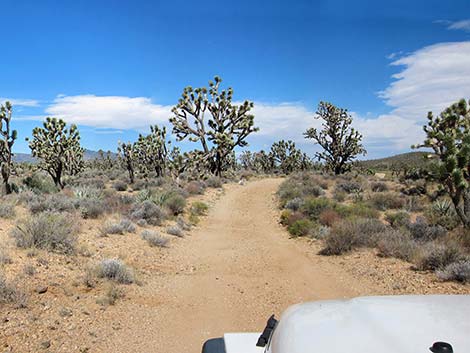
(208, 116)
(152, 152)
(449, 136)
(127, 157)
(58, 149)
(287, 157)
(7, 139)
(340, 142)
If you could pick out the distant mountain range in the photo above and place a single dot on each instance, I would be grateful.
(410, 159)
(27, 158)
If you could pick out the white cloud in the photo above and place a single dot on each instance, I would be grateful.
(20, 102)
(117, 112)
(463, 25)
(433, 78)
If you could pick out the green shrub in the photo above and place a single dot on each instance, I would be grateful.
(398, 219)
(442, 213)
(387, 200)
(300, 228)
(199, 208)
(90, 208)
(356, 210)
(55, 232)
(175, 204)
(313, 207)
(40, 183)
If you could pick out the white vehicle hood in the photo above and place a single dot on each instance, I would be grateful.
(394, 324)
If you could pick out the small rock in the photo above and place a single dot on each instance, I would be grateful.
(45, 344)
(41, 289)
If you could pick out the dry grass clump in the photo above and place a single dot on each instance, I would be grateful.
(52, 231)
(387, 200)
(11, 294)
(458, 271)
(395, 243)
(149, 212)
(51, 203)
(7, 209)
(120, 226)
(195, 188)
(214, 182)
(115, 270)
(434, 256)
(154, 239)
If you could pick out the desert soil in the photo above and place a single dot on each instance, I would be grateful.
(234, 270)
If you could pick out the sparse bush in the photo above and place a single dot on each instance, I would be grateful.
(394, 243)
(120, 185)
(349, 187)
(339, 195)
(10, 294)
(115, 270)
(379, 186)
(148, 211)
(320, 232)
(214, 182)
(183, 224)
(199, 208)
(154, 239)
(175, 203)
(422, 231)
(457, 271)
(433, 256)
(40, 184)
(329, 218)
(5, 257)
(398, 219)
(313, 207)
(386, 200)
(91, 208)
(52, 203)
(7, 209)
(87, 192)
(295, 204)
(357, 210)
(195, 188)
(175, 230)
(55, 232)
(350, 234)
(300, 228)
(300, 185)
(121, 226)
(112, 295)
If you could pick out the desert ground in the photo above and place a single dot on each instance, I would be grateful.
(228, 274)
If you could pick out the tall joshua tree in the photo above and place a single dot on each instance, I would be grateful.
(209, 117)
(127, 157)
(7, 139)
(152, 151)
(288, 157)
(58, 149)
(340, 142)
(449, 136)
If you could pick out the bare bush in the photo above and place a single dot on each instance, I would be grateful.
(154, 239)
(394, 243)
(7, 209)
(386, 200)
(148, 211)
(457, 271)
(11, 294)
(175, 230)
(121, 226)
(433, 256)
(115, 270)
(51, 231)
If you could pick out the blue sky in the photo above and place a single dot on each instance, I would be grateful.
(115, 67)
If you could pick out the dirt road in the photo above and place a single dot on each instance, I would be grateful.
(236, 269)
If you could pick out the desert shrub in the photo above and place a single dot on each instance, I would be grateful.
(89, 182)
(120, 185)
(113, 293)
(52, 203)
(175, 204)
(7, 209)
(378, 186)
(148, 211)
(458, 271)
(182, 223)
(349, 187)
(329, 218)
(199, 208)
(121, 226)
(90, 208)
(433, 256)
(417, 188)
(350, 234)
(40, 184)
(10, 294)
(214, 182)
(144, 195)
(398, 219)
(5, 257)
(154, 239)
(300, 228)
(195, 188)
(115, 270)
(339, 195)
(295, 204)
(55, 232)
(175, 230)
(299, 185)
(394, 243)
(320, 232)
(356, 210)
(423, 231)
(87, 192)
(313, 207)
(442, 213)
(386, 200)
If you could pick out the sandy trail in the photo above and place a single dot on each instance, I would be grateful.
(237, 268)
